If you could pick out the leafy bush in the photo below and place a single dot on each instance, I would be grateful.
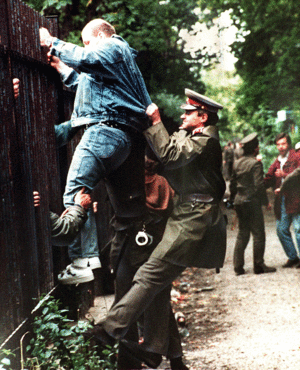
(5, 357)
(58, 343)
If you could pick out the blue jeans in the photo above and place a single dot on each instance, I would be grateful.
(102, 149)
(284, 234)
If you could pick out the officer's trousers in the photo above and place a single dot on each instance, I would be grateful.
(251, 220)
(151, 286)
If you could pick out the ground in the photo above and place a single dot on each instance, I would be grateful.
(247, 322)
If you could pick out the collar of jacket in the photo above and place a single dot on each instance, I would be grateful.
(133, 51)
(285, 158)
(292, 155)
(211, 131)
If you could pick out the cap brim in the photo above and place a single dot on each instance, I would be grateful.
(210, 104)
(188, 107)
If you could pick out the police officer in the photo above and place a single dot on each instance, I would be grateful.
(195, 233)
(248, 193)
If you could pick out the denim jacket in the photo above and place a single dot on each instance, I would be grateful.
(109, 86)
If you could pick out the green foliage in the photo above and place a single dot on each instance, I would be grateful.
(58, 343)
(267, 49)
(5, 359)
(222, 87)
(58, 4)
(170, 105)
(75, 38)
(36, 4)
(153, 28)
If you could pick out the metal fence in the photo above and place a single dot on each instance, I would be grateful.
(29, 161)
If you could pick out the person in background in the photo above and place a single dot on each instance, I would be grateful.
(110, 102)
(259, 157)
(248, 194)
(195, 233)
(291, 184)
(287, 204)
(238, 151)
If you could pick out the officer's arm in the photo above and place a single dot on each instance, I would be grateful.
(270, 178)
(291, 181)
(64, 132)
(233, 187)
(259, 186)
(64, 229)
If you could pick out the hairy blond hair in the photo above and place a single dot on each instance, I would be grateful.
(99, 25)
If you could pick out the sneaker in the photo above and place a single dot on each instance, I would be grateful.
(80, 263)
(94, 263)
(75, 275)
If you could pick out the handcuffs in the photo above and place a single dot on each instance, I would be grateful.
(142, 238)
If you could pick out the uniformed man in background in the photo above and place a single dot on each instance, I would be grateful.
(248, 193)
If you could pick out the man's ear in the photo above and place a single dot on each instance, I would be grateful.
(204, 117)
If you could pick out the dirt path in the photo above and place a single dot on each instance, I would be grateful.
(246, 322)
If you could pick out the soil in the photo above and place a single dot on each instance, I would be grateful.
(247, 322)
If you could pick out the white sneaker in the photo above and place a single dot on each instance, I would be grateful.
(75, 275)
(80, 263)
(94, 263)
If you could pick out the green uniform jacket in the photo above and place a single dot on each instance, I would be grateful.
(247, 181)
(195, 234)
(65, 228)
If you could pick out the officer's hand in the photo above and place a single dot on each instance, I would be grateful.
(153, 113)
(85, 200)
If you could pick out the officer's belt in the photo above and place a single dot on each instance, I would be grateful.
(196, 198)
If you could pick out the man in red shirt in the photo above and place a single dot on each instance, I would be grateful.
(287, 204)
